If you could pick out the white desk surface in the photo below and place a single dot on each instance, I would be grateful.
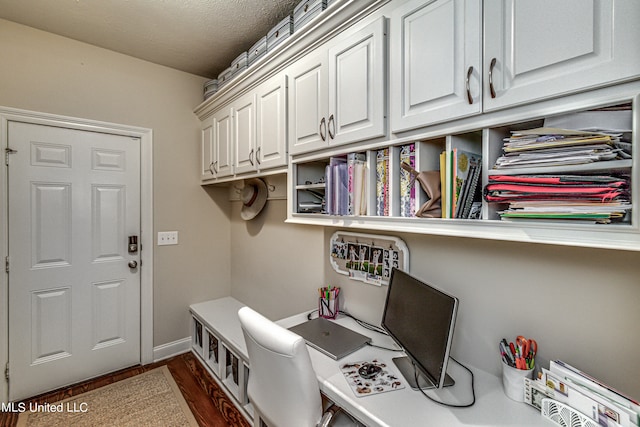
(398, 408)
(407, 407)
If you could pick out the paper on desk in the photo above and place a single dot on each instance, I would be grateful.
(386, 380)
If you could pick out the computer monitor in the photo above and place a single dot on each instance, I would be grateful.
(420, 319)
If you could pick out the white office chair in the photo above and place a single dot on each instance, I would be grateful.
(283, 387)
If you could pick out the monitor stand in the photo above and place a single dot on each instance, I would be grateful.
(408, 371)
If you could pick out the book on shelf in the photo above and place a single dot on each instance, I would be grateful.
(460, 174)
(356, 164)
(382, 182)
(443, 183)
(407, 182)
(345, 192)
(468, 172)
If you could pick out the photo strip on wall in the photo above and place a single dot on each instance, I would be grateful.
(366, 257)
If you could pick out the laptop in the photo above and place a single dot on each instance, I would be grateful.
(330, 338)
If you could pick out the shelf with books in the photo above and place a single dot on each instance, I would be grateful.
(466, 209)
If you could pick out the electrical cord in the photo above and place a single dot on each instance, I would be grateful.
(449, 405)
(364, 324)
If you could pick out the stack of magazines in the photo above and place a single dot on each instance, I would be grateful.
(591, 198)
(558, 147)
(600, 403)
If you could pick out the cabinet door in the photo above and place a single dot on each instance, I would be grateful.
(222, 133)
(357, 77)
(435, 72)
(206, 155)
(244, 133)
(308, 103)
(271, 123)
(546, 48)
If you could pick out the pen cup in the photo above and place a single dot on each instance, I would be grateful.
(329, 307)
(513, 381)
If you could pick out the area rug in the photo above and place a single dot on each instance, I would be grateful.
(148, 399)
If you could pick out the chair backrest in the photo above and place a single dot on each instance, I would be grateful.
(283, 387)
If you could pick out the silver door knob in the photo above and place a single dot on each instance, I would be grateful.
(133, 264)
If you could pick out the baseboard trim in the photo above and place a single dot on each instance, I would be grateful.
(171, 349)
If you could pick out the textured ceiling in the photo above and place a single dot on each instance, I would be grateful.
(197, 36)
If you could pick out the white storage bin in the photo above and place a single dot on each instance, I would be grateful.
(279, 33)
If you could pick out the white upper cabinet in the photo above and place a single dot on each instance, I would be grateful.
(357, 77)
(545, 48)
(308, 103)
(207, 148)
(337, 93)
(244, 127)
(271, 123)
(222, 162)
(435, 62)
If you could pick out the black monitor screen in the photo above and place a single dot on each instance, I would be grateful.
(421, 319)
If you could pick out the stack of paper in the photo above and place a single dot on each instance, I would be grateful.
(557, 147)
(569, 197)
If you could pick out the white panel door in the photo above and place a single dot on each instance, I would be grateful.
(206, 168)
(435, 72)
(222, 143)
(545, 48)
(74, 301)
(357, 78)
(271, 125)
(244, 133)
(308, 103)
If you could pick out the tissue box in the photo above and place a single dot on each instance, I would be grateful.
(306, 10)
(279, 33)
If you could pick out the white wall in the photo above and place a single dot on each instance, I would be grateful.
(581, 305)
(47, 73)
(275, 267)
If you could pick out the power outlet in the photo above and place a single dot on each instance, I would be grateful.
(167, 238)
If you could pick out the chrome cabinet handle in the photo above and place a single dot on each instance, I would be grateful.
(469, 97)
(251, 157)
(491, 89)
(215, 167)
(258, 155)
(211, 169)
(331, 124)
(323, 128)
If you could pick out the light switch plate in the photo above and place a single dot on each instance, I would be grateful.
(167, 238)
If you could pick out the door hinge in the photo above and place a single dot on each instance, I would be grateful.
(6, 372)
(8, 151)
(6, 264)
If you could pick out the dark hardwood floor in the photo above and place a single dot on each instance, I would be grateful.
(209, 404)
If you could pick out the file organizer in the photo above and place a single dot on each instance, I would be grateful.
(564, 415)
(367, 257)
